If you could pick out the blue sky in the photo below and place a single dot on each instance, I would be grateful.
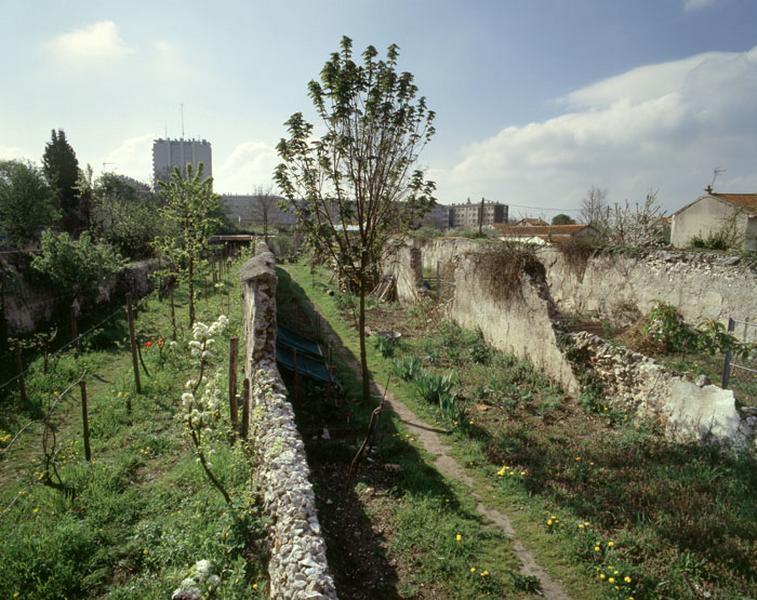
(537, 100)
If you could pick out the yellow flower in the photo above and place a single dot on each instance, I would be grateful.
(601, 575)
(523, 473)
(254, 586)
(549, 522)
(596, 548)
(610, 544)
(35, 510)
(458, 537)
(611, 580)
(473, 569)
(16, 594)
(484, 573)
(578, 459)
(580, 525)
(627, 579)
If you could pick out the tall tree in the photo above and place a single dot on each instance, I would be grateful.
(27, 203)
(357, 185)
(189, 210)
(61, 169)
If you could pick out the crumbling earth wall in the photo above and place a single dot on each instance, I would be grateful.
(298, 568)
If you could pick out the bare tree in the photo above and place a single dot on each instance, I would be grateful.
(265, 203)
(594, 209)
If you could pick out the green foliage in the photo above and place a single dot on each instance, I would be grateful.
(668, 331)
(61, 169)
(75, 267)
(189, 209)
(123, 214)
(361, 171)
(718, 240)
(27, 203)
(407, 367)
(563, 219)
(386, 345)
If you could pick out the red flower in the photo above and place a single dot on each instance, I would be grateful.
(148, 344)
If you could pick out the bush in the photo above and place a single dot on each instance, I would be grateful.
(76, 267)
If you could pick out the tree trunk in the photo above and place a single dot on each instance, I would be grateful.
(363, 357)
(191, 292)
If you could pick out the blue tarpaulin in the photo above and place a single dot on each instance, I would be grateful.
(301, 355)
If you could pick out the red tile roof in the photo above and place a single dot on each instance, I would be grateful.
(748, 202)
(540, 230)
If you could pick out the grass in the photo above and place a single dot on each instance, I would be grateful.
(419, 513)
(143, 513)
(679, 521)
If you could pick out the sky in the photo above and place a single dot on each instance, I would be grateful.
(537, 100)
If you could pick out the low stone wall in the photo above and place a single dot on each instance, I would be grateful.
(298, 568)
(688, 411)
(615, 286)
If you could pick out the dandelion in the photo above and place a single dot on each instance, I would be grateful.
(458, 537)
(254, 586)
(484, 573)
(578, 459)
(35, 510)
(627, 579)
(610, 544)
(611, 580)
(601, 575)
(549, 522)
(597, 548)
(473, 569)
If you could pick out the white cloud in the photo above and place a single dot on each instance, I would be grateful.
(133, 157)
(664, 126)
(96, 43)
(12, 153)
(692, 5)
(249, 165)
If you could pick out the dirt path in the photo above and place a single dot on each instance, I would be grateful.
(450, 468)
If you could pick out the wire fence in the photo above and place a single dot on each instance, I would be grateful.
(77, 340)
(742, 334)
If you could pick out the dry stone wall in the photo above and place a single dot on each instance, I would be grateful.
(688, 411)
(298, 568)
(615, 286)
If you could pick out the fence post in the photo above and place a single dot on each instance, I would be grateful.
(75, 329)
(438, 283)
(133, 340)
(728, 357)
(20, 371)
(233, 408)
(245, 408)
(85, 419)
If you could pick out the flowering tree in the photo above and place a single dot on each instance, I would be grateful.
(201, 403)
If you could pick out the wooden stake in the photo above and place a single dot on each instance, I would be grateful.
(133, 339)
(245, 408)
(75, 329)
(85, 419)
(233, 408)
(20, 371)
